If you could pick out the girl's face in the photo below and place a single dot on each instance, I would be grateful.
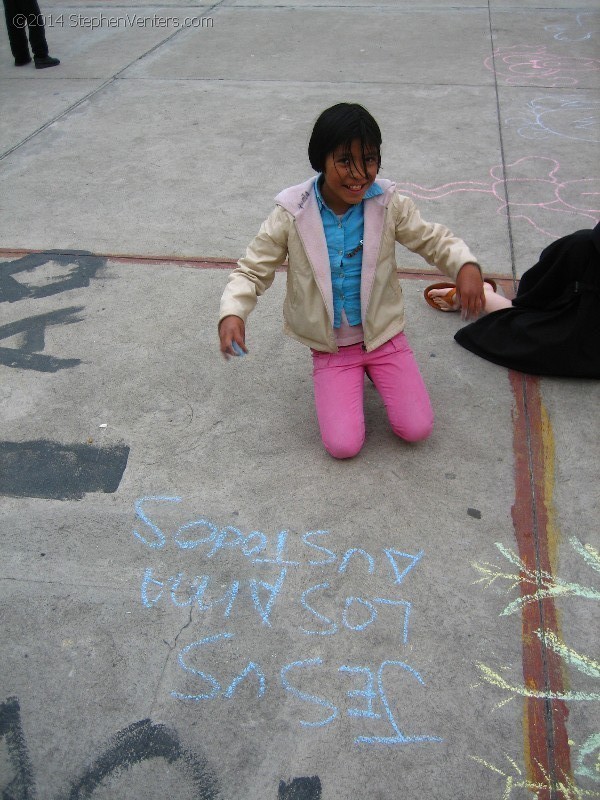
(344, 178)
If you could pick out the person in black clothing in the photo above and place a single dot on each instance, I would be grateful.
(24, 17)
(552, 327)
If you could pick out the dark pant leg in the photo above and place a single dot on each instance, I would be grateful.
(35, 26)
(17, 35)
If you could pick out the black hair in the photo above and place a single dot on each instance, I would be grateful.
(339, 126)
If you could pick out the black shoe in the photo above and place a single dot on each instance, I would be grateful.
(20, 62)
(46, 61)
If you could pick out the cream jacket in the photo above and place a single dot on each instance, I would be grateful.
(294, 229)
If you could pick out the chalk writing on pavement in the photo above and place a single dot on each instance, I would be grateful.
(139, 742)
(569, 117)
(537, 587)
(263, 590)
(533, 65)
(537, 195)
(581, 30)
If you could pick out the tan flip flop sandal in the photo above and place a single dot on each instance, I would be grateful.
(448, 298)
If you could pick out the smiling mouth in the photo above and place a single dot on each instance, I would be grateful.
(356, 187)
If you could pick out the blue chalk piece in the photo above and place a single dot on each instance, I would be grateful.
(237, 349)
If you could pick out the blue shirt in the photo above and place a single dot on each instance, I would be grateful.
(344, 244)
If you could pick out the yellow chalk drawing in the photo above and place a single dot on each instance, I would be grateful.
(564, 787)
(544, 584)
(591, 745)
(589, 554)
(584, 664)
(517, 690)
(539, 585)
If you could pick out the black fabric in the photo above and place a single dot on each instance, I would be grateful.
(553, 327)
(27, 10)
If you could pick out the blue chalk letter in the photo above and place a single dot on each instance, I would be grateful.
(279, 559)
(252, 667)
(265, 611)
(216, 687)
(363, 625)
(190, 544)
(407, 607)
(329, 631)
(367, 693)
(238, 540)
(353, 552)
(309, 698)
(331, 556)
(399, 575)
(147, 580)
(399, 738)
(139, 512)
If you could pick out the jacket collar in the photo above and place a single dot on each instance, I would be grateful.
(297, 198)
(301, 202)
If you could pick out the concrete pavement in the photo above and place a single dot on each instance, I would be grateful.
(196, 600)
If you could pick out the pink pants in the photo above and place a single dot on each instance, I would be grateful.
(339, 384)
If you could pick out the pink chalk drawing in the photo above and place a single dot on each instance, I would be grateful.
(527, 64)
(535, 194)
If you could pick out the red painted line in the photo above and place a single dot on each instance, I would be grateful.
(547, 747)
(162, 261)
(505, 282)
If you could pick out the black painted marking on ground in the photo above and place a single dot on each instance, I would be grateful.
(33, 331)
(60, 472)
(300, 789)
(140, 742)
(21, 785)
(83, 266)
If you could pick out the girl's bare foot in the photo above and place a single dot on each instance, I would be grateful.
(446, 299)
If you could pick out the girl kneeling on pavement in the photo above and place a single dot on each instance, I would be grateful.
(343, 298)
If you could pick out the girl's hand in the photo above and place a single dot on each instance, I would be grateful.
(232, 329)
(469, 287)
